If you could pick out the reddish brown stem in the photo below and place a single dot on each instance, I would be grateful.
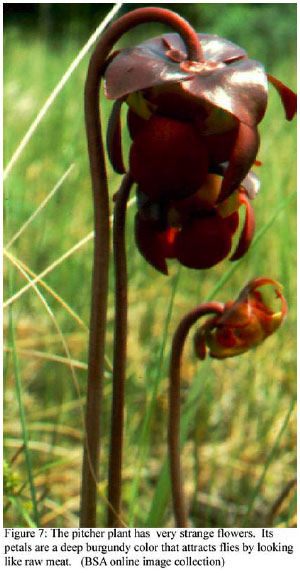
(179, 504)
(119, 362)
(102, 239)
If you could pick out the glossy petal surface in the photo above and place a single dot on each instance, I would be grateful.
(227, 79)
(148, 65)
(239, 88)
(139, 68)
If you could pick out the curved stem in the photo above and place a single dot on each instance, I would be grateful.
(102, 238)
(179, 504)
(119, 362)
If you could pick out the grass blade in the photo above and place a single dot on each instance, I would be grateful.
(53, 265)
(268, 461)
(28, 135)
(49, 289)
(50, 357)
(58, 329)
(144, 441)
(40, 207)
(22, 420)
(23, 512)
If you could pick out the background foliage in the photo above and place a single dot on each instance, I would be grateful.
(238, 416)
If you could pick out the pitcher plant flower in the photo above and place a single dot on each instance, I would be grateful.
(234, 328)
(187, 117)
(243, 324)
(194, 105)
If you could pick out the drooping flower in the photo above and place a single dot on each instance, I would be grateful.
(197, 231)
(195, 139)
(243, 324)
(176, 105)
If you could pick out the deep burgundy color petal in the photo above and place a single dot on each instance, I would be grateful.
(240, 88)
(148, 64)
(151, 245)
(232, 222)
(134, 123)
(168, 158)
(247, 232)
(139, 68)
(203, 242)
(288, 97)
(242, 158)
(114, 138)
(220, 146)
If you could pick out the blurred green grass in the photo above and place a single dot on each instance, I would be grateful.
(235, 409)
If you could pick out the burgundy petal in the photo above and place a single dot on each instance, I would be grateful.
(203, 242)
(288, 97)
(218, 49)
(139, 68)
(247, 232)
(241, 159)
(240, 88)
(220, 146)
(148, 64)
(150, 244)
(232, 222)
(167, 158)
(134, 123)
(114, 138)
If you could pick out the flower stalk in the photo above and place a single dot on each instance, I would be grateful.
(181, 333)
(119, 362)
(235, 328)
